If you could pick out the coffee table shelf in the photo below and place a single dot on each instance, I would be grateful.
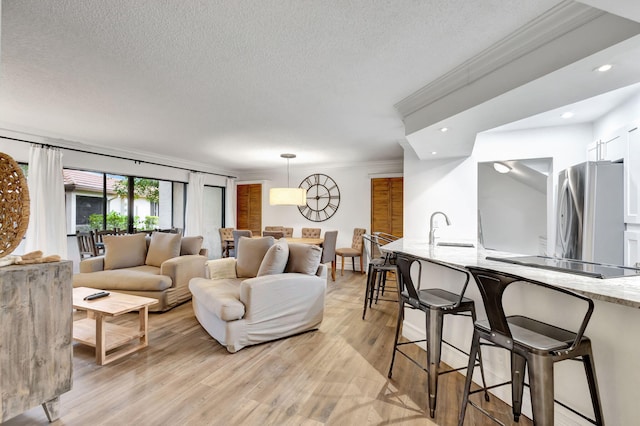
(84, 331)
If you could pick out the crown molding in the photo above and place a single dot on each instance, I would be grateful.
(551, 25)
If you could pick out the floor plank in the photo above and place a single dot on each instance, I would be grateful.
(336, 375)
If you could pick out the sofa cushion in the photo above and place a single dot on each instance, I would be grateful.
(303, 258)
(191, 245)
(221, 297)
(124, 251)
(275, 260)
(140, 278)
(222, 268)
(163, 246)
(250, 252)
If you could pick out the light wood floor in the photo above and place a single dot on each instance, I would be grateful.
(336, 375)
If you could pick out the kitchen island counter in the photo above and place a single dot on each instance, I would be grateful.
(613, 329)
(623, 290)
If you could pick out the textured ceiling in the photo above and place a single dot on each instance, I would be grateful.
(232, 84)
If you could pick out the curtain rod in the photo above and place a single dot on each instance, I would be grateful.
(115, 156)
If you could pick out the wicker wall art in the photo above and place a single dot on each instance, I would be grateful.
(14, 205)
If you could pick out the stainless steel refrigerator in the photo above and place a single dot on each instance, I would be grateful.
(590, 215)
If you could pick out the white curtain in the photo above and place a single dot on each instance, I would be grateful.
(230, 204)
(47, 229)
(194, 218)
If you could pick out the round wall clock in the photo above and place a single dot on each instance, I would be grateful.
(323, 197)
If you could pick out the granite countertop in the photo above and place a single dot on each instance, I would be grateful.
(622, 291)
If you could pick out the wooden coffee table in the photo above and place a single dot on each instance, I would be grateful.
(104, 336)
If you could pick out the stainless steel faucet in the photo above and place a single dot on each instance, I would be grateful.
(432, 230)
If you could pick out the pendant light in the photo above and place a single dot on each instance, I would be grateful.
(287, 196)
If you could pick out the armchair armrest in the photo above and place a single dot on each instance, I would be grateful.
(275, 296)
(182, 268)
(92, 264)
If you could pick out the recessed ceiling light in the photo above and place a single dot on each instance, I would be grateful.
(443, 129)
(604, 68)
(566, 115)
(501, 168)
(433, 152)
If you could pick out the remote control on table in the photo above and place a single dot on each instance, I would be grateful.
(97, 295)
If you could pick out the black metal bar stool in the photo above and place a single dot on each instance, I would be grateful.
(379, 267)
(435, 303)
(533, 344)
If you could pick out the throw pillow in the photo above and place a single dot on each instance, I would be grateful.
(303, 258)
(250, 252)
(275, 260)
(191, 245)
(222, 268)
(163, 246)
(124, 251)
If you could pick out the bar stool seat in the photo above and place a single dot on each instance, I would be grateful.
(534, 345)
(435, 303)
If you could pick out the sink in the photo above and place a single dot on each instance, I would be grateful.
(447, 244)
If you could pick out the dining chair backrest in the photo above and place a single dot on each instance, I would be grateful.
(288, 232)
(275, 234)
(274, 228)
(237, 233)
(311, 232)
(86, 244)
(226, 234)
(329, 246)
(99, 233)
(356, 241)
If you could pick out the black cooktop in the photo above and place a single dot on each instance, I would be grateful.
(571, 266)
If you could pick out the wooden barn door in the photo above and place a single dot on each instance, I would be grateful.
(386, 205)
(249, 207)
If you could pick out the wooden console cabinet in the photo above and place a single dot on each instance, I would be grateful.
(36, 321)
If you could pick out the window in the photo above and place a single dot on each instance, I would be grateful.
(156, 204)
(90, 194)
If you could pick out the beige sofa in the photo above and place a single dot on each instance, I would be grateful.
(271, 290)
(159, 267)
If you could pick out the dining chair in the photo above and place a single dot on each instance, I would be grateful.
(311, 232)
(226, 241)
(354, 251)
(288, 232)
(329, 251)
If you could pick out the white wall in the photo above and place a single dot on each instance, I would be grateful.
(450, 185)
(355, 198)
(617, 118)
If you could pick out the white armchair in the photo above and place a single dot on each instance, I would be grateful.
(270, 291)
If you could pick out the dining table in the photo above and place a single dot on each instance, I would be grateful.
(312, 241)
